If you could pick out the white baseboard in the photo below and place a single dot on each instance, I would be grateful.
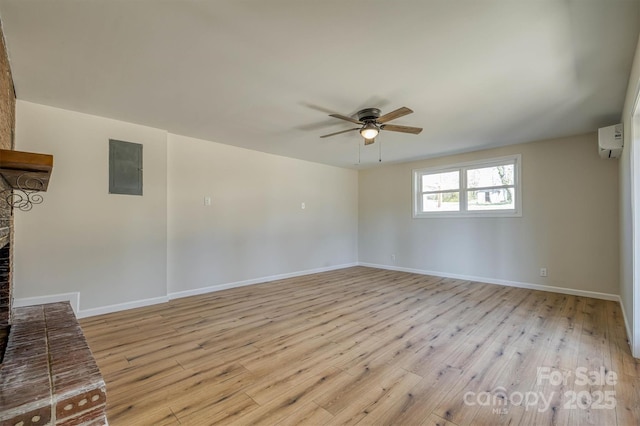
(72, 298)
(627, 325)
(218, 287)
(121, 307)
(562, 290)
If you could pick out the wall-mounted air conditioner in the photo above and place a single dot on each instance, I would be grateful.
(610, 141)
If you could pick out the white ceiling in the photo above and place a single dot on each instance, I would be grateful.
(264, 74)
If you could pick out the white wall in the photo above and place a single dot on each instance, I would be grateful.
(113, 249)
(569, 222)
(117, 249)
(255, 226)
(110, 248)
(629, 207)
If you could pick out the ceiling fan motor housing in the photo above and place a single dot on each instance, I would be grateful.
(368, 114)
(372, 123)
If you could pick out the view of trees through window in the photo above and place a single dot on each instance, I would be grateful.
(470, 188)
(495, 188)
(441, 191)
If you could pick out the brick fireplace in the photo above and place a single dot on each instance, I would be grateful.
(7, 126)
(5, 295)
(48, 375)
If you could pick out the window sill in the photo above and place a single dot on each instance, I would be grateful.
(458, 215)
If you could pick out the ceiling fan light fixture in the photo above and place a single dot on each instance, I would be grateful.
(372, 123)
(369, 130)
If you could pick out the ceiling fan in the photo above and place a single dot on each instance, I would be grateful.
(372, 123)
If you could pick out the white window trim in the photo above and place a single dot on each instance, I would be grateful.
(462, 167)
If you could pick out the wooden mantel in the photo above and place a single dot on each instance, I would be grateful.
(26, 170)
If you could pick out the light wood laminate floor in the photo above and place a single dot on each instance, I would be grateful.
(366, 346)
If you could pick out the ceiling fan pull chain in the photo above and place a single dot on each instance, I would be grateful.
(359, 152)
(380, 152)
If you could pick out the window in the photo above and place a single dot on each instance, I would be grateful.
(481, 188)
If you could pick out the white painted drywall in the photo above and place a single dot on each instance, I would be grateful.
(569, 223)
(629, 205)
(110, 248)
(113, 249)
(255, 226)
(119, 250)
(626, 230)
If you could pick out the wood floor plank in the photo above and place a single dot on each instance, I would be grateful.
(594, 353)
(424, 397)
(394, 386)
(285, 404)
(360, 346)
(280, 380)
(146, 373)
(206, 394)
(434, 420)
(233, 409)
(516, 369)
(156, 415)
(309, 414)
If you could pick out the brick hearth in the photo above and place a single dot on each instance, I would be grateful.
(49, 376)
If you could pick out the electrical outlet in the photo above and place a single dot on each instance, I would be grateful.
(393, 257)
(303, 205)
(543, 272)
(207, 201)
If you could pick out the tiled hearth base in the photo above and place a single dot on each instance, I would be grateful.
(49, 376)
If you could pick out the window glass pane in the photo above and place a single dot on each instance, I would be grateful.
(441, 181)
(441, 202)
(491, 199)
(490, 176)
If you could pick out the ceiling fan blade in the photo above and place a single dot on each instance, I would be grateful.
(369, 141)
(337, 133)
(344, 117)
(394, 114)
(403, 129)
(317, 107)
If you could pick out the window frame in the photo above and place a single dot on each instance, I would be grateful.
(463, 189)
